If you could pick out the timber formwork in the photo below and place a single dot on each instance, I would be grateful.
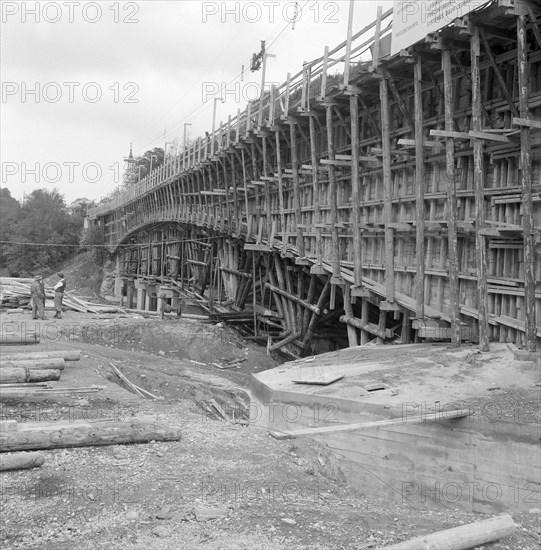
(401, 198)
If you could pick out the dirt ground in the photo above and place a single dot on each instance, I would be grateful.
(225, 484)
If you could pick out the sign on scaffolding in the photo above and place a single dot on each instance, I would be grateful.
(414, 19)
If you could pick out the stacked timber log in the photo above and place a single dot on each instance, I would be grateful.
(21, 368)
(15, 295)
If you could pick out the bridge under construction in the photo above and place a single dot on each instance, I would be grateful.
(397, 201)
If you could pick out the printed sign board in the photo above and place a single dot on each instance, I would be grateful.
(414, 19)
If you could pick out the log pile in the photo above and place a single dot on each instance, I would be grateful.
(15, 294)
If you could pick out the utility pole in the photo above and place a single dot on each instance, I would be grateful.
(259, 60)
(129, 173)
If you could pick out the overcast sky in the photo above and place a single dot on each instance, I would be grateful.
(87, 78)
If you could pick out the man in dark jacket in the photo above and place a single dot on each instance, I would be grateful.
(59, 296)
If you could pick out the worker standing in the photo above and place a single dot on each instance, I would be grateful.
(37, 292)
(59, 296)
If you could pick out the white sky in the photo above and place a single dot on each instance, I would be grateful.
(151, 74)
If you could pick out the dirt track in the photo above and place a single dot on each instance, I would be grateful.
(271, 494)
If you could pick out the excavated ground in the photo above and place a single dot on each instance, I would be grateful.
(265, 493)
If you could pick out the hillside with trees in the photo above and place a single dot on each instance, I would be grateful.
(39, 233)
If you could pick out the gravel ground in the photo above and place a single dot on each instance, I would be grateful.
(223, 485)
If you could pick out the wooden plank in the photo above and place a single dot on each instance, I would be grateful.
(358, 426)
(528, 122)
(285, 294)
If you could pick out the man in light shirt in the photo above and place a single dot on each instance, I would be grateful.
(59, 296)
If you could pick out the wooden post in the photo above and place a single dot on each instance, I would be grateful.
(348, 42)
(296, 188)
(283, 230)
(375, 53)
(324, 74)
(478, 182)
(387, 191)
(355, 191)
(420, 192)
(332, 193)
(315, 188)
(452, 245)
(352, 332)
(526, 183)
(267, 189)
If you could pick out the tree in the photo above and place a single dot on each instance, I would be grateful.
(48, 231)
(10, 211)
(131, 174)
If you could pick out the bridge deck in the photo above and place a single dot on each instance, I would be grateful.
(404, 202)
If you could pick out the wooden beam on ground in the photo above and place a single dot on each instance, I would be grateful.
(21, 461)
(12, 339)
(462, 537)
(402, 421)
(10, 375)
(43, 364)
(57, 435)
(67, 355)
